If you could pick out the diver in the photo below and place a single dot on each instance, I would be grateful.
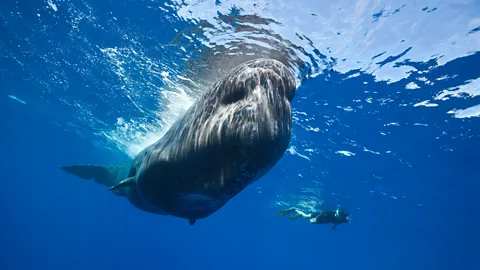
(334, 217)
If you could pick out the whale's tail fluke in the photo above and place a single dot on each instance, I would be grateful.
(110, 175)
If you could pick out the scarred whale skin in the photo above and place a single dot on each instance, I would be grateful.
(229, 138)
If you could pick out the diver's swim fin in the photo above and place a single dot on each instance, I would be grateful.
(285, 212)
(192, 221)
(126, 182)
(293, 217)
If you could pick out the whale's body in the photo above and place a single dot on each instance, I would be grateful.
(229, 138)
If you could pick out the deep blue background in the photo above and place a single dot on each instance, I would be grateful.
(50, 220)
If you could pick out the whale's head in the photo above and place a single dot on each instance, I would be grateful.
(251, 104)
(231, 136)
(269, 76)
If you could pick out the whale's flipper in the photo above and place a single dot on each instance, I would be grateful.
(126, 182)
(110, 175)
(286, 211)
(192, 221)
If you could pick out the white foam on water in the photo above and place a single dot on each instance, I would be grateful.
(345, 153)
(293, 151)
(473, 111)
(412, 86)
(425, 103)
(132, 135)
(52, 5)
(471, 88)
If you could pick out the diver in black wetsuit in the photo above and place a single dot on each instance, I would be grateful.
(334, 217)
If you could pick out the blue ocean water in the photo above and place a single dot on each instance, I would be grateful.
(385, 125)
